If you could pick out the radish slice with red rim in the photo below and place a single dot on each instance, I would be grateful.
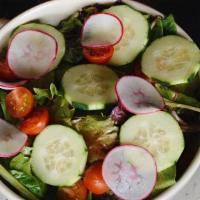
(130, 172)
(101, 30)
(11, 140)
(11, 85)
(31, 54)
(138, 96)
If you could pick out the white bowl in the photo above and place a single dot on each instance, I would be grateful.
(52, 13)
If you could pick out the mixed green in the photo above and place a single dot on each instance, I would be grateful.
(98, 106)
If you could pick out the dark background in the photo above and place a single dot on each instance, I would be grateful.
(186, 12)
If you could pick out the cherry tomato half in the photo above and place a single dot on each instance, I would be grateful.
(76, 192)
(35, 122)
(99, 55)
(93, 179)
(19, 102)
(5, 73)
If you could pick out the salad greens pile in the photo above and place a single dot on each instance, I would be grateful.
(128, 90)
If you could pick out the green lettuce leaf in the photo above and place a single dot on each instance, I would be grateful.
(162, 27)
(60, 110)
(99, 133)
(16, 184)
(71, 29)
(21, 169)
(166, 178)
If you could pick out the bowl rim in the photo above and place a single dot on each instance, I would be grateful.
(195, 164)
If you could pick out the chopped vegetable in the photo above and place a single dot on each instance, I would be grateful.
(64, 153)
(21, 170)
(100, 135)
(93, 179)
(31, 54)
(35, 122)
(11, 139)
(138, 96)
(19, 102)
(118, 115)
(71, 28)
(159, 133)
(163, 26)
(177, 96)
(5, 73)
(100, 55)
(130, 172)
(96, 31)
(16, 184)
(76, 192)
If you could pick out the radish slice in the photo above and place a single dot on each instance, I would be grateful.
(11, 140)
(130, 172)
(11, 85)
(31, 54)
(101, 29)
(138, 96)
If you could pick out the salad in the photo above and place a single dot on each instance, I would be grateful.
(98, 107)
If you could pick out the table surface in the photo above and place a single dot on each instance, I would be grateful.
(186, 14)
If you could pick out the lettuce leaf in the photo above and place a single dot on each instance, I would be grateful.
(162, 27)
(71, 29)
(16, 184)
(21, 169)
(99, 133)
(60, 110)
(166, 178)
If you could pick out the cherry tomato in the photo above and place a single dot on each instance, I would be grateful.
(76, 192)
(93, 179)
(35, 122)
(19, 102)
(99, 55)
(5, 73)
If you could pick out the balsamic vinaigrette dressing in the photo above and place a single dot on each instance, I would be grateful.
(185, 15)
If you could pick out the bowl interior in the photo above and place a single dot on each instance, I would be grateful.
(52, 13)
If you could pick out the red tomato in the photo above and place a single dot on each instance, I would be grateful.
(19, 102)
(35, 122)
(93, 179)
(99, 55)
(5, 73)
(76, 192)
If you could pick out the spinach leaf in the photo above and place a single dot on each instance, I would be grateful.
(21, 170)
(162, 27)
(16, 184)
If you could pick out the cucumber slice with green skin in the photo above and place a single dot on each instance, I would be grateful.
(51, 31)
(135, 35)
(89, 86)
(157, 132)
(171, 59)
(59, 156)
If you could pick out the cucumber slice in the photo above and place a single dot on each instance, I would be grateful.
(59, 156)
(52, 32)
(171, 59)
(135, 35)
(89, 86)
(157, 132)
